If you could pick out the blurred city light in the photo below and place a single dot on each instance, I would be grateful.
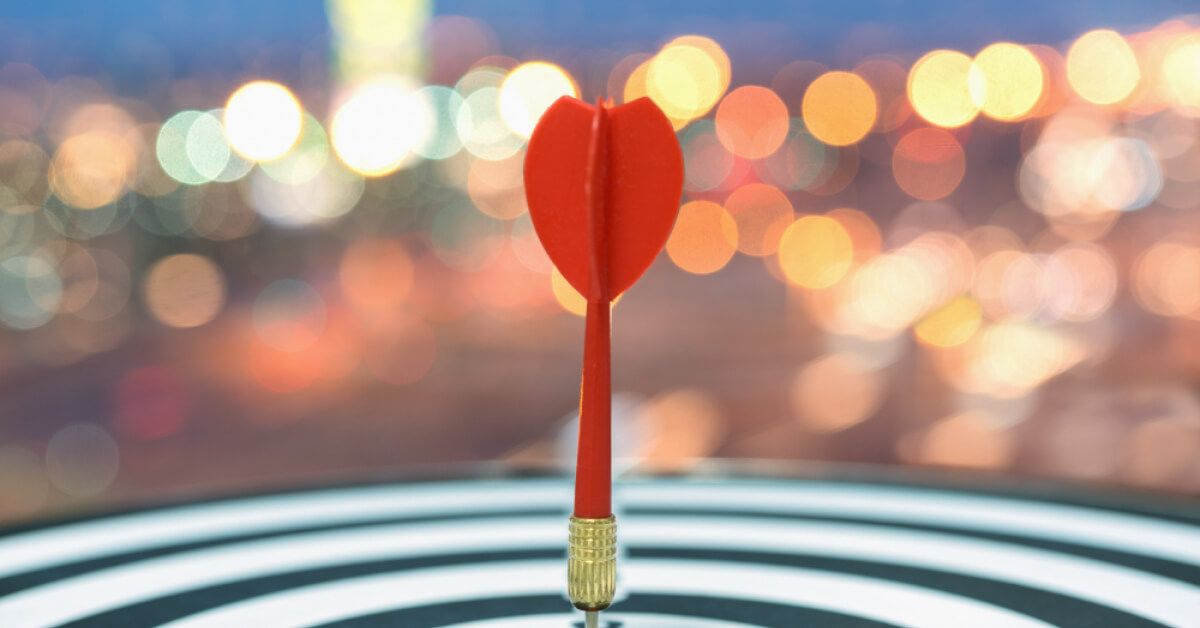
(262, 120)
(888, 251)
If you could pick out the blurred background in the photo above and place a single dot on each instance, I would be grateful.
(246, 245)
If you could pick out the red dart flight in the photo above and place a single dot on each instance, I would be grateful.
(603, 185)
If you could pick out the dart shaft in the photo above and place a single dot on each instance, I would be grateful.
(593, 470)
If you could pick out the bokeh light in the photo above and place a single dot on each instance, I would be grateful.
(704, 238)
(262, 120)
(815, 252)
(529, 90)
(380, 125)
(152, 403)
(939, 88)
(835, 392)
(289, 315)
(685, 81)
(706, 162)
(377, 275)
(481, 126)
(199, 260)
(329, 194)
(1181, 72)
(30, 292)
(25, 487)
(305, 160)
(752, 122)
(566, 295)
(91, 169)
(683, 427)
(802, 163)
(497, 187)
(839, 108)
(442, 141)
(1102, 67)
(762, 213)
(1166, 279)
(171, 148)
(965, 440)
(23, 176)
(208, 152)
(1006, 81)
(184, 290)
(952, 324)
(928, 163)
(82, 459)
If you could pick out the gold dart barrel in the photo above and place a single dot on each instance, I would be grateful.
(592, 562)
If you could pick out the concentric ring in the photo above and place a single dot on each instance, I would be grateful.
(743, 552)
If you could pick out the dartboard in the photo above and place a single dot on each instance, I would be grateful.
(701, 552)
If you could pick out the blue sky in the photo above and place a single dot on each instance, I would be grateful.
(79, 36)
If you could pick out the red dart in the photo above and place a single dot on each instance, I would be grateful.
(603, 185)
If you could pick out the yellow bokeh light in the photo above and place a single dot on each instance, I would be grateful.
(529, 90)
(1102, 67)
(568, 297)
(714, 51)
(1006, 81)
(815, 252)
(635, 85)
(684, 81)
(839, 108)
(262, 120)
(1181, 73)
(939, 88)
(704, 238)
(377, 129)
(952, 324)
(184, 290)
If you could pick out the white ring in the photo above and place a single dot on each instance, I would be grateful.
(59, 545)
(1144, 594)
(881, 600)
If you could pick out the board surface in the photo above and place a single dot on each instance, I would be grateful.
(698, 552)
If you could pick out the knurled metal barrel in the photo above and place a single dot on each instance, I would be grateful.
(592, 562)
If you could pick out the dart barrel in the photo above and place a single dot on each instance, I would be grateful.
(592, 562)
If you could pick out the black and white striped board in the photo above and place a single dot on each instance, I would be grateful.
(713, 552)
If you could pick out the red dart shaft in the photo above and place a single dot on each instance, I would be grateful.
(593, 467)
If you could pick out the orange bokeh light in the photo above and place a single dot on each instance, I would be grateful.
(928, 163)
(839, 108)
(752, 122)
(762, 213)
(376, 276)
(704, 239)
